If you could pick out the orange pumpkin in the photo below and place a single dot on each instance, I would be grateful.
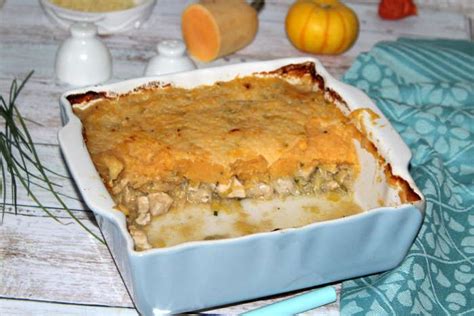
(321, 26)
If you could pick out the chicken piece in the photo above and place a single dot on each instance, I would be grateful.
(143, 205)
(160, 203)
(330, 186)
(234, 189)
(120, 186)
(261, 190)
(199, 194)
(285, 186)
(129, 196)
(140, 239)
(143, 219)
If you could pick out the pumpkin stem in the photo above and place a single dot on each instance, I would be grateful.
(257, 5)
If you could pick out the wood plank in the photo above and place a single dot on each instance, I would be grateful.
(39, 104)
(18, 307)
(51, 158)
(43, 260)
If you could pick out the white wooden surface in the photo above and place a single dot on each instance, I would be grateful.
(48, 268)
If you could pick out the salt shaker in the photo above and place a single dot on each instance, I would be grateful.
(83, 59)
(171, 58)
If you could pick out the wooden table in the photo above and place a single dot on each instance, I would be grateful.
(50, 268)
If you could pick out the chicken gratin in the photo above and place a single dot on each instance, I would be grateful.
(220, 160)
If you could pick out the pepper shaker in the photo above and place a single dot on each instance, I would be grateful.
(171, 58)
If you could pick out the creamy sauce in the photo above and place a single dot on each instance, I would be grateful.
(235, 218)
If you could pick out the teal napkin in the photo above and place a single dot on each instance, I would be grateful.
(426, 89)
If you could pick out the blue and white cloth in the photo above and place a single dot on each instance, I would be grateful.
(426, 89)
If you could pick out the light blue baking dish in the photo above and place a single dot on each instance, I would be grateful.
(203, 274)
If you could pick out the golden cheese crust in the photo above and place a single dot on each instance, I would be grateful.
(254, 128)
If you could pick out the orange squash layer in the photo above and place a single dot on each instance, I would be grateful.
(256, 129)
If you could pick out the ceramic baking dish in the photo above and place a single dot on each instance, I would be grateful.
(203, 274)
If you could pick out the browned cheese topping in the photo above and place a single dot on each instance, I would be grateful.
(253, 128)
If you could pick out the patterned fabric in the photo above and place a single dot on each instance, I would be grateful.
(426, 89)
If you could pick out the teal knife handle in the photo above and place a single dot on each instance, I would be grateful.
(297, 304)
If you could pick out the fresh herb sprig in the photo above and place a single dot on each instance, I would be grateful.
(19, 160)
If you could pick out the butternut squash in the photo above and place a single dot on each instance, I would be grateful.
(215, 28)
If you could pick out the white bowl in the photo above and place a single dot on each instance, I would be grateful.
(107, 22)
(202, 274)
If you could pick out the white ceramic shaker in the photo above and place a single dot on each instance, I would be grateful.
(83, 59)
(171, 58)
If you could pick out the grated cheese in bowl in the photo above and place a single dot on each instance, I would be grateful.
(94, 5)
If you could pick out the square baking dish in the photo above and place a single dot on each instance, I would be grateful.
(203, 274)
